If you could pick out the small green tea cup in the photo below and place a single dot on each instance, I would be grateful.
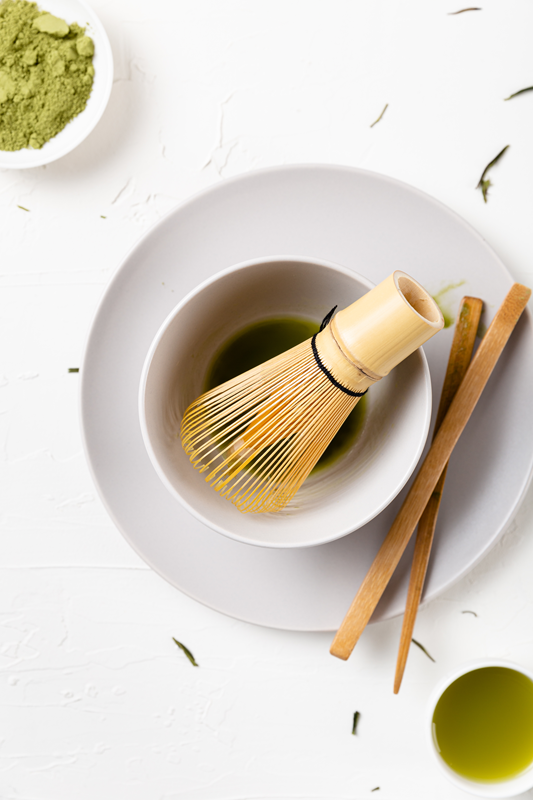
(480, 728)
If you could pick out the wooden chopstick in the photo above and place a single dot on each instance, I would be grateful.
(461, 408)
(464, 338)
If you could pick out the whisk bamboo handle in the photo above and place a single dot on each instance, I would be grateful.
(461, 408)
(387, 324)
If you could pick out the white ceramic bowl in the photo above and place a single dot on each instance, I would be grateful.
(80, 127)
(338, 499)
(506, 788)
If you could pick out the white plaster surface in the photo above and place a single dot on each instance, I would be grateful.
(96, 700)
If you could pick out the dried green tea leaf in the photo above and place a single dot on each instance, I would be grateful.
(355, 721)
(485, 186)
(73, 369)
(421, 646)
(102, 216)
(521, 91)
(462, 11)
(378, 119)
(375, 789)
(485, 183)
(186, 651)
(23, 209)
(469, 612)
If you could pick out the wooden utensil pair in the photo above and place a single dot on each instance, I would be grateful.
(459, 397)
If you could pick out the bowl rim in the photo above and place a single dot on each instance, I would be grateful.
(38, 158)
(508, 787)
(213, 525)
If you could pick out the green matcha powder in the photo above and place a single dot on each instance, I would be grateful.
(46, 74)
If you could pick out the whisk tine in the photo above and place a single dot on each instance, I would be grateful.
(308, 451)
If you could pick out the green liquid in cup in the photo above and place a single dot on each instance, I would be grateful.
(483, 724)
(267, 339)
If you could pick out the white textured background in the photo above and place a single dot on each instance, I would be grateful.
(96, 700)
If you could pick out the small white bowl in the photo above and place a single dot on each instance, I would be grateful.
(336, 500)
(81, 126)
(506, 788)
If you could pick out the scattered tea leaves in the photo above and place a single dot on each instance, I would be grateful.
(186, 651)
(23, 209)
(446, 303)
(469, 612)
(485, 183)
(73, 369)
(378, 119)
(355, 721)
(462, 11)
(521, 91)
(421, 646)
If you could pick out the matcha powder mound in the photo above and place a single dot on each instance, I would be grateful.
(46, 74)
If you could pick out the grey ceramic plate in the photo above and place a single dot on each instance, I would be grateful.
(373, 225)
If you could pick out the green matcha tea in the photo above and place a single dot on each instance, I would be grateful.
(46, 74)
(267, 339)
(483, 724)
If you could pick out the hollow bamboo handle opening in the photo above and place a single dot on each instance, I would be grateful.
(387, 324)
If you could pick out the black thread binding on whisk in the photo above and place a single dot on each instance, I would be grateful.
(327, 319)
(327, 373)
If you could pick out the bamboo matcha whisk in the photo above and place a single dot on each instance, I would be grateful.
(258, 436)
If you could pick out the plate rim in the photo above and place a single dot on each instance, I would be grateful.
(121, 268)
